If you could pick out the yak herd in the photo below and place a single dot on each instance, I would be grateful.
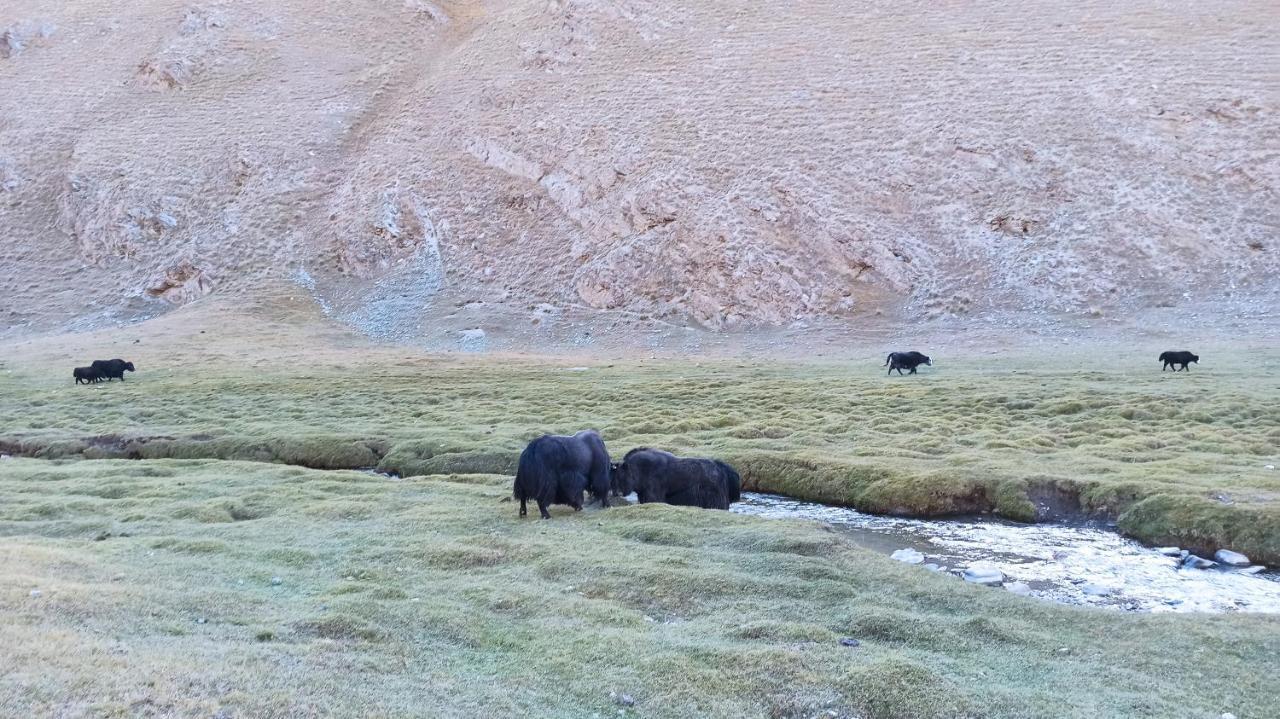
(559, 469)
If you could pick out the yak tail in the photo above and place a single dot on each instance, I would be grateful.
(886, 360)
(530, 474)
(733, 483)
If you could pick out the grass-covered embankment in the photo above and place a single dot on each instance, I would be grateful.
(1176, 459)
(427, 597)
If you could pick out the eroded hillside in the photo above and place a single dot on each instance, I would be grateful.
(728, 163)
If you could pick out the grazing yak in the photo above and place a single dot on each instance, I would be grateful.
(85, 375)
(908, 360)
(1173, 358)
(556, 469)
(657, 476)
(115, 368)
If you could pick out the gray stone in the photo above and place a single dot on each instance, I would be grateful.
(909, 556)
(984, 574)
(849, 642)
(277, 581)
(1235, 559)
(1097, 590)
(1255, 569)
(625, 700)
(1195, 562)
(1022, 589)
(1169, 551)
(36, 593)
(932, 567)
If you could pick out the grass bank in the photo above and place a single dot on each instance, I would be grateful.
(1177, 459)
(217, 588)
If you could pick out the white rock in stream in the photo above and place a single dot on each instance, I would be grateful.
(1022, 589)
(1097, 590)
(1235, 559)
(1169, 551)
(1195, 562)
(910, 556)
(1255, 569)
(983, 574)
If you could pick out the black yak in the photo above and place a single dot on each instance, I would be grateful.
(1173, 358)
(85, 375)
(115, 368)
(658, 476)
(556, 469)
(909, 360)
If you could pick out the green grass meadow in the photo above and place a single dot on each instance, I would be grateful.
(427, 597)
(151, 517)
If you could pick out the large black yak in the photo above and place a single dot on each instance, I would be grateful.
(906, 360)
(555, 469)
(1173, 358)
(657, 476)
(114, 368)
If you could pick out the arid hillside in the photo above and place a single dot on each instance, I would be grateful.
(730, 164)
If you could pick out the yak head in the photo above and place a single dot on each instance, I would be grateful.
(128, 366)
(620, 482)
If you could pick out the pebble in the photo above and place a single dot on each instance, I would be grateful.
(849, 642)
(1227, 715)
(1022, 589)
(1235, 559)
(201, 620)
(983, 574)
(36, 593)
(910, 556)
(1169, 551)
(625, 700)
(1195, 562)
(276, 581)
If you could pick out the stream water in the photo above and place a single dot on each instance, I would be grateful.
(1073, 564)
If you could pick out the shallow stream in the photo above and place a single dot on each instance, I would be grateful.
(1073, 564)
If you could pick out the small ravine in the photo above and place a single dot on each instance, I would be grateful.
(1073, 564)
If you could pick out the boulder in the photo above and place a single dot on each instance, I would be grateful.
(1169, 551)
(1022, 589)
(1195, 562)
(985, 574)
(1235, 559)
(910, 556)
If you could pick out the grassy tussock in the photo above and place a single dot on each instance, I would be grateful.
(1045, 442)
(436, 601)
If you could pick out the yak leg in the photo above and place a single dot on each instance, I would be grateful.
(523, 510)
(542, 508)
(913, 371)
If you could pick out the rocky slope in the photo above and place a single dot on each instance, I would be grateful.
(731, 164)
